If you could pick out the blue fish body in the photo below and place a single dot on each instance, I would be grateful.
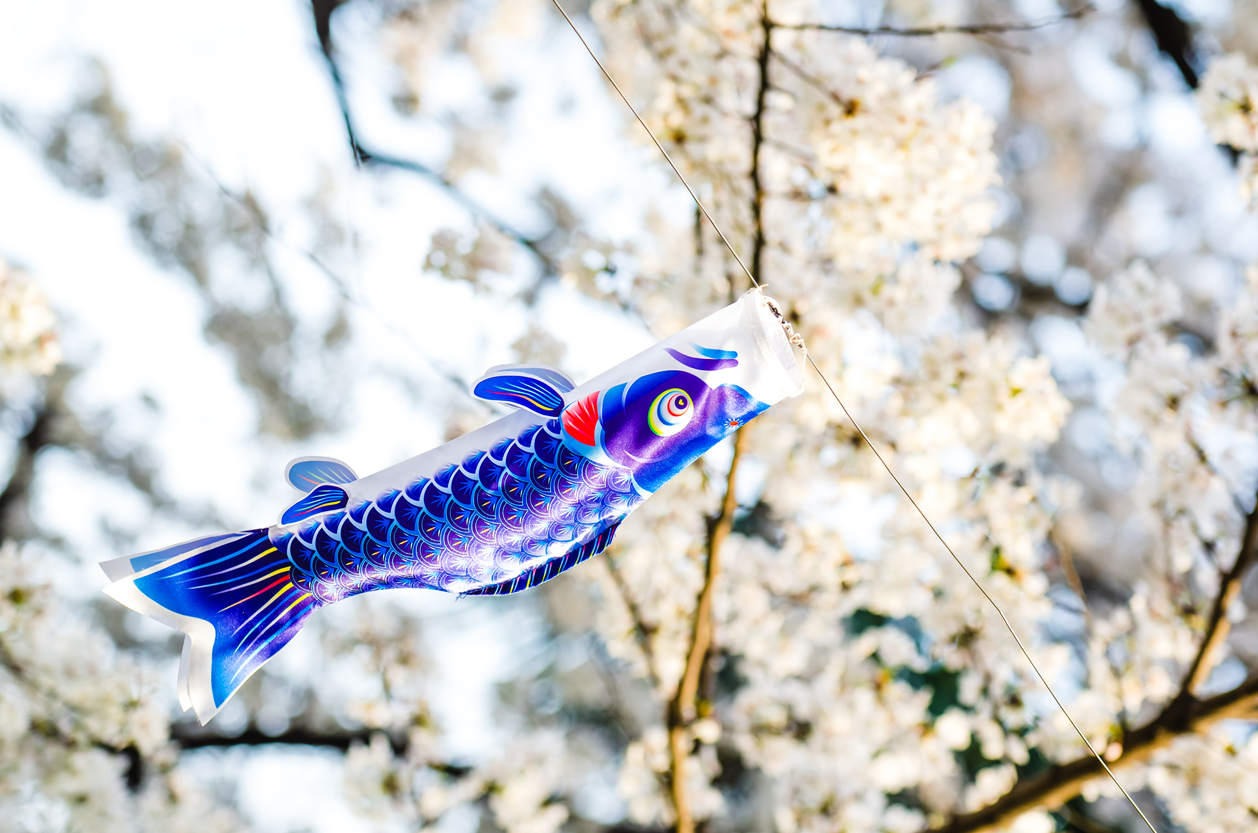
(481, 527)
(497, 511)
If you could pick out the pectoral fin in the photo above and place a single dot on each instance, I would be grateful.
(326, 498)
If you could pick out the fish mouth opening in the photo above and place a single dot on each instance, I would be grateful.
(786, 373)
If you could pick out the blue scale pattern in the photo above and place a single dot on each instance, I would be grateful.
(501, 521)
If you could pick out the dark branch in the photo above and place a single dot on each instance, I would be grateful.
(757, 144)
(642, 632)
(932, 31)
(134, 773)
(1083, 823)
(1218, 626)
(813, 81)
(260, 220)
(1182, 715)
(685, 705)
(192, 736)
(16, 492)
(54, 425)
(321, 11)
(1173, 37)
(1058, 784)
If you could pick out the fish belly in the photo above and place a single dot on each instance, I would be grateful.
(500, 513)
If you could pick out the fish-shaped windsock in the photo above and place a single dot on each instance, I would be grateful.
(499, 510)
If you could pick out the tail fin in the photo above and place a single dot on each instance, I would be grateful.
(232, 595)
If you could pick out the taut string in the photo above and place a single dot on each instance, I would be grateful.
(796, 339)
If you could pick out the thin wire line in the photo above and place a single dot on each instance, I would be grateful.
(972, 578)
(864, 436)
(667, 158)
(355, 296)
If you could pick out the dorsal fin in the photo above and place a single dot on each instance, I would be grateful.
(534, 387)
(305, 473)
(556, 377)
(326, 498)
(551, 568)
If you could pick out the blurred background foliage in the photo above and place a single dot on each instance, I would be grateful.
(1019, 236)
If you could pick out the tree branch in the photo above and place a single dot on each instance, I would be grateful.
(641, 630)
(683, 709)
(1173, 37)
(1058, 784)
(1219, 626)
(1182, 715)
(37, 437)
(757, 144)
(1066, 559)
(931, 31)
(814, 81)
(192, 736)
(321, 10)
(134, 773)
(701, 638)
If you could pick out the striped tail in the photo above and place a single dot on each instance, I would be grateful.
(231, 594)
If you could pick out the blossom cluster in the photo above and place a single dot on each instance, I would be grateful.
(908, 170)
(70, 706)
(28, 338)
(1207, 780)
(1228, 96)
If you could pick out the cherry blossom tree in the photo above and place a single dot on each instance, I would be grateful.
(1007, 237)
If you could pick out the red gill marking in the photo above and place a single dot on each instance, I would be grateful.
(580, 419)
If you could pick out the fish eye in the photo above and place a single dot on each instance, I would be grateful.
(670, 412)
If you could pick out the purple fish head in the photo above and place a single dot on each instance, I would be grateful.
(657, 425)
(657, 412)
